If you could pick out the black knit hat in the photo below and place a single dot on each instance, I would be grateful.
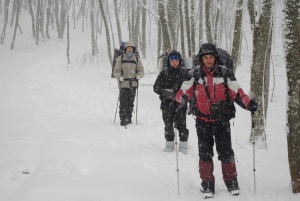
(174, 53)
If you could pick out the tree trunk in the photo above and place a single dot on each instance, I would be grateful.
(32, 17)
(251, 13)
(207, 21)
(193, 28)
(172, 23)
(18, 5)
(106, 30)
(237, 34)
(129, 20)
(94, 43)
(118, 21)
(260, 67)
(37, 24)
(144, 21)
(56, 18)
(165, 35)
(5, 22)
(68, 36)
(136, 28)
(292, 57)
(217, 19)
(182, 42)
(200, 22)
(188, 27)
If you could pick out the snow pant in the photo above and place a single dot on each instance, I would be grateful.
(208, 132)
(127, 96)
(179, 118)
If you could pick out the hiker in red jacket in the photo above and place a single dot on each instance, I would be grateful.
(212, 92)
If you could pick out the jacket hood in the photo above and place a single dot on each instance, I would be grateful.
(130, 44)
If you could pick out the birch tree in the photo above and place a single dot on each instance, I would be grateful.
(292, 56)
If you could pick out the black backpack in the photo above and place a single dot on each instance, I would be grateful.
(224, 59)
(117, 53)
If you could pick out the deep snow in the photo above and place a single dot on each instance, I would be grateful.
(58, 141)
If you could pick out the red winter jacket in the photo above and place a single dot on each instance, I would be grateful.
(214, 81)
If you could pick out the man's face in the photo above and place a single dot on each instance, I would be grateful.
(129, 49)
(208, 60)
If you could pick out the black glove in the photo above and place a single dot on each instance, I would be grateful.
(173, 107)
(169, 94)
(252, 105)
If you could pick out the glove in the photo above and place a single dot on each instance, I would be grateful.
(252, 105)
(138, 77)
(168, 93)
(173, 107)
(121, 79)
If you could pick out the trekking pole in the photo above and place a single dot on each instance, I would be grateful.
(117, 108)
(253, 143)
(137, 98)
(176, 150)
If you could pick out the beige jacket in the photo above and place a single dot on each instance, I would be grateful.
(129, 69)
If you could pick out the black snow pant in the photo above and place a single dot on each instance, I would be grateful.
(179, 118)
(127, 96)
(208, 132)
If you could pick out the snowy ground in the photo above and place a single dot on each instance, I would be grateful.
(59, 142)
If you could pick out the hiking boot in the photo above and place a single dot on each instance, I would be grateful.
(183, 147)
(208, 193)
(169, 146)
(208, 189)
(233, 187)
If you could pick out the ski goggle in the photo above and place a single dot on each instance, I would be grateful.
(173, 57)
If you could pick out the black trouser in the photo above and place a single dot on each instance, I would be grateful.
(179, 118)
(126, 104)
(209, 132)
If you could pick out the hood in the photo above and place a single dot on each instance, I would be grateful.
(131, 44)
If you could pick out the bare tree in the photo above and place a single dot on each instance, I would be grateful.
(292, 55)
(32, 17)
(208, 22)
(106, 30)
(193, 28)
(94, 42)
(144, 22)
(260, 68)
(188, 27)
(181, 29)
(37, 24)
(251, 13)
(166, 43)
(5, 21)
(118, 20)
(237, 34)
(18, 5)
(68, 35)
